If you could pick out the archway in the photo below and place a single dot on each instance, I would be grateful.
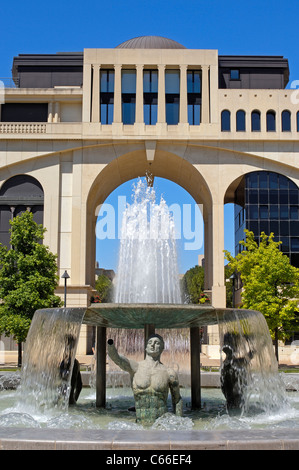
(133, 165)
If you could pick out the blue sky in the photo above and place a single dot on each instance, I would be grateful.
(256, 27)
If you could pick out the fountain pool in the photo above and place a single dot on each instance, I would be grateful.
(212, 417)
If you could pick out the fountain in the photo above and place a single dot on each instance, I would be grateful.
(147, 297)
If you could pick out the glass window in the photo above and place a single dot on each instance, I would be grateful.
(106, 96)
(273, 180)
(128, 91)
(172, 96)
(263, 179)
(253, 212)
(271, 125)
(283, 196)
(263, 196)
(294, 227)
(150, 96)
(225, 121)
(285, 245)
(274, 212)
(194, 96)
(285, 121)
(253, 197)
(284, 212)
(240, 121)
(235, 74)
(294, 212)
(295, 244)
(255, 121)
(263, 212)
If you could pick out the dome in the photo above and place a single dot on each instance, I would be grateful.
(150, 42)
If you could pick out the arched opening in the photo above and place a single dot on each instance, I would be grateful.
(271, 121)
(18, 194)
(286, 121)
(255, 121)
(240, 121)
(225, 121)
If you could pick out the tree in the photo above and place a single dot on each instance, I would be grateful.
(28, 278)
(270, 283)
(193, 284)
(103, 287)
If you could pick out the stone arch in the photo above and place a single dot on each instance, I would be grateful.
(131, 165)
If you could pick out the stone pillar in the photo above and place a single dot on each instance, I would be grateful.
(86, 102)
(139, 94)
(117, 112)
(183, 95)
(50, 112)
(195, 368)
(161, 94)
(218, 286)
(101, 368)
(56, 112)
(95, 107)
(205, 95)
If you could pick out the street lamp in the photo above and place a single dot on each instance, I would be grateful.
(233, 277)
(65, 276)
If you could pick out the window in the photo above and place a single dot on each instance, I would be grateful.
(225, 121)
(255, 121)
(150, 96)
(286, 121)
(194, 96)
(271, 125)
(24, 112)
(128, 93)
(107, 96)
(235, 74)
(172, 96)
(240, 121)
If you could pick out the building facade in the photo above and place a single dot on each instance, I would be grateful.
(75, 126)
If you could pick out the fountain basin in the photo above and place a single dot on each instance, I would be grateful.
(159, 315)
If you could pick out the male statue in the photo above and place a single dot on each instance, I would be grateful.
(150, 381)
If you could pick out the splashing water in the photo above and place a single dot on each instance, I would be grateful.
(245, 339)
(49, 357)
(147, 269)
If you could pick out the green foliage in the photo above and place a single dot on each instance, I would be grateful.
(193, 284)
(104, 287)
(28, 277)
(270, 283)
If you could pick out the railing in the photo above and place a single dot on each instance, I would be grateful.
(22, 128)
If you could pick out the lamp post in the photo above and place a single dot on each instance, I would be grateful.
(233, 278)
(65, 276)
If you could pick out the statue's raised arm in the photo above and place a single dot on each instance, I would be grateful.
(128, 365)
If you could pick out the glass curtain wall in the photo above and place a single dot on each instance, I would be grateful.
(271, 203)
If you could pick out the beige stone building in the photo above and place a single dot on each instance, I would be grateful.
(75, 126)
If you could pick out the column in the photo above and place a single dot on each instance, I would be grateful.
(101, 368)
(139, 94)
(117, 113)
(95, 108)
(56, 117)
(161, 94)
(218, 286)
(50, 112)
(86, 104)
(183, 95)
(195, 368)
(205, 98)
